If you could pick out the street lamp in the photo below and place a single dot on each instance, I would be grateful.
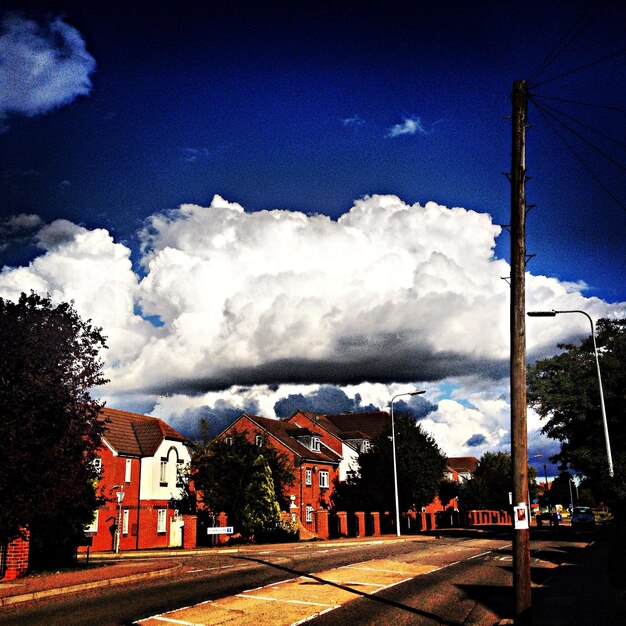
(573, 482)
(120, 498)
(393, 443)
(552, 313)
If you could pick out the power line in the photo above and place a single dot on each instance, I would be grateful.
(580, 102)
(572, 33)
(577, 134)
(579, 158)
(582, 67)
(556, 111)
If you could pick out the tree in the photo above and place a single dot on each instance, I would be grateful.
(447, 490)
(222, 472)
(261, 510)
(420, 468)
(492, 482)
(564, 391)
(50, 428)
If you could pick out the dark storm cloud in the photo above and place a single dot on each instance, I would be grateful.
(476, 440)
(328, 400)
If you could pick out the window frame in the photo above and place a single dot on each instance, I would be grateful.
(316, 443)
(325, 474)
(163, 472)
(308, 477)
(308, 512)
(161, 521)
(128, 471)
(258, 441)
(125, 521)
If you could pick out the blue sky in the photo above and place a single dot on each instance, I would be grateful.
(306, 108)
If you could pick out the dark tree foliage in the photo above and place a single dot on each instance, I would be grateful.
(491, 483)
(447, 490)
(49, 426)
(420, 468)
(223, 471)
(564, 391)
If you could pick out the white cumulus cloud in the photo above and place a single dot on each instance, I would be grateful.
(264, 307)
(43, 65)
(409, 126)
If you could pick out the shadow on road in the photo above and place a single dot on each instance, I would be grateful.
(356, 592)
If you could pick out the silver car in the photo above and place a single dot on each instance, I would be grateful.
(583, 517)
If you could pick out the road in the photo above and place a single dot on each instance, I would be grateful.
(434, 580)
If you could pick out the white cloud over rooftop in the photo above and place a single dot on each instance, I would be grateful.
(389, 293)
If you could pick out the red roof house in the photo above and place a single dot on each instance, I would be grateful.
(140, 462)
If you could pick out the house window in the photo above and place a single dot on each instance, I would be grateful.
(258, 440)
(307, 476)
(97, 465)
(125, 518)
(93, 527)
(129, 469)
(163, 473)
(179, 474)
(323, 478)
(161, 520)
(366, 445)
(315, 444)
(309, 513)
(229, 441)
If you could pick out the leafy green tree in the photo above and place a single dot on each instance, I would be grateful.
(223, 471)
(50, 428)
(448, 490)
(564, 391)
(492, 482)
(261, 510)
(420, 468)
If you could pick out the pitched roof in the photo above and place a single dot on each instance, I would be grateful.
(359, 425)
(463, 464)
(286, 433)
(133, 434)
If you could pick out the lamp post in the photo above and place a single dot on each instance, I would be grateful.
(393, 444)
(572, 481)
(118, 532)
(607, 441)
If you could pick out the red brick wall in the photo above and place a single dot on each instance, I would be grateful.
(17, 558)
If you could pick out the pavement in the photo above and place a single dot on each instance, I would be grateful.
(581, 592)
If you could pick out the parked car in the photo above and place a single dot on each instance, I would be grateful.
(552, 517)
(583, 517)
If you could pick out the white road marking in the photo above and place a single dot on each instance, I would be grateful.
(176, 621)
(241, 595)
(210, 569)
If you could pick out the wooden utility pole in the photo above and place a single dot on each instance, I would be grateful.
(519, 442)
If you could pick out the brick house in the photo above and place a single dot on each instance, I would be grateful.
(323, 448)
(312, 452)
(461, 468)
(142, 457)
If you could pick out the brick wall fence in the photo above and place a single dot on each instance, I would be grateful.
(14, 558)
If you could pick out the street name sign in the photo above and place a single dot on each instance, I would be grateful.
(219, 530)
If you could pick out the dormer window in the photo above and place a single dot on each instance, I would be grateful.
(315, 444)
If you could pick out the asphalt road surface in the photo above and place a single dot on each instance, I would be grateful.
(434, 580)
